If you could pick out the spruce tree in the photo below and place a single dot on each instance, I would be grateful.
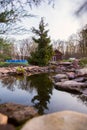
(44, 51)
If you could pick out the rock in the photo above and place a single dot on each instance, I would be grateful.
(3, 119)
(63, 68)
(58, 77)
(16, 113)
(58, 70)
(63, 80)
(79, 79)
(70, 85)
(75, 63)
(66, 120)
(7, 127)
(84, 92)
(71, 75)
(65, 63)
(81, 72)
(85, 82)
(71, 69)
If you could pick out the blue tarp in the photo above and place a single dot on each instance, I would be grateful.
(17, 61)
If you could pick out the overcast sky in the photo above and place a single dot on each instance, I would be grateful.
(61, 19)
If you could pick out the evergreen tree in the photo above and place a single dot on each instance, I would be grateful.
(44, 51)
(5, 49)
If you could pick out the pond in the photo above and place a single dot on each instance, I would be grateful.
(38, 91)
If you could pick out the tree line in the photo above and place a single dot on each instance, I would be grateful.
(39, 51)
(41, 47)
(75, 46)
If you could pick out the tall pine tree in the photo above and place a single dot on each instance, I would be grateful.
(44, 51)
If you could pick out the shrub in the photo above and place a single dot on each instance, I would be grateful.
(20, 70)
(83, 62)
(4, 64)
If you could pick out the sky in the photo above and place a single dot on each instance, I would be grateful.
(61, 19)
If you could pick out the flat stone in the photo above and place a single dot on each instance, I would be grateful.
(58, 77)
(71, 85)
(82, 71)
(65, 63)
(66, 120)
(17, 113)
(63, 80)
(79, 79)
(3, 119)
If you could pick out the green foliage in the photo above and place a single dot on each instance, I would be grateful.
(4, 64)
(20, 70)
(5, 49)
(13, 11)
(5, 16)
(68, 60)
(83, 62)
(44, 51)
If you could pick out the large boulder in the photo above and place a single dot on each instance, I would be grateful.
(16, 113)
(58, 77)
(66, 120)
(3, 119)
(81, 72)
(80, 79)
(71, 85)
(7, 127)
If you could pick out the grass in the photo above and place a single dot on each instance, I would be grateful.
(4, 64)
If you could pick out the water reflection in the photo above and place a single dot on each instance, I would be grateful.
(19, 82)
(44, 87)
(9, 82)
(82, 98)
(41, 83)
(38, 91)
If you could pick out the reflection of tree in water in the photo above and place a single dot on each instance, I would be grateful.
(24, 84)
(82, 98)
(40, 82)
(19, 82)
(9, 82)
(44, 87)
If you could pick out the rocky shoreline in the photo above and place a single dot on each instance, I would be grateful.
(30, 70)
(74, 81)
(66, 78)
(6, 71)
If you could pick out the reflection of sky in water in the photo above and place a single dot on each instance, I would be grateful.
(65, 101)
(18, 95)
(48, 101)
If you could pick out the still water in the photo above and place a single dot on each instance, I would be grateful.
(38, 91)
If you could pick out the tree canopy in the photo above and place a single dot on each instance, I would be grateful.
(12, 11)
(82, 8)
